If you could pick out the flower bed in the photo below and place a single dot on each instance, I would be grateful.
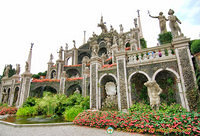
(45, 80)
(152, 122)
(7, 110)
(109, 65)
(73, 79)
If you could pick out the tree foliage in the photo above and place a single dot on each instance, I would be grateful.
(195, 46)
(165, 38)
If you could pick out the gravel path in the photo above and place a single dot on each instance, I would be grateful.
(67, 130)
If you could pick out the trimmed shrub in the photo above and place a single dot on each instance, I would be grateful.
(165, 38)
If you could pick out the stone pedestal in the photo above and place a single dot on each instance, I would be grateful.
(95, 64)
(185, 66)
(24, 88)
(60, 68)
(123, 98)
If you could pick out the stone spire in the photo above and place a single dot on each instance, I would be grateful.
(29, 58)
(139, 22)
(84, 38)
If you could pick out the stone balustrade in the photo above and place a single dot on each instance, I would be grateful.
(159, 53)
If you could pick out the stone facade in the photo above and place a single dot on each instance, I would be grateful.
(109, 61)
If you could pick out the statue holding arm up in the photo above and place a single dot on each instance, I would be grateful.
(162, 22)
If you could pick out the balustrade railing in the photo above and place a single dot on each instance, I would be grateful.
(150, 54)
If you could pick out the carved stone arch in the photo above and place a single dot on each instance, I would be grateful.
(73, 72)
(38, 90)
(141, 72)
(102, 48)
(52, 73)
(168, 69)
(179, 96)
(71, 89)
(107, 77)
(132, 95)
(82, 55)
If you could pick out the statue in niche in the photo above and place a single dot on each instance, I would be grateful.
(27, 67)
(162, 22)
(77, 91)
(95, 49)
(103, 57)
(102, 25)
(175, 29)
(111, 95)
(60, 53)
(7, 70)
(54, 75)
(121, 28)
(135, 22)
(154, 92)
(17, 69)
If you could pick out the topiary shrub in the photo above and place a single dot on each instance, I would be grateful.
(143, 43)
(195, 46)
(165, 38)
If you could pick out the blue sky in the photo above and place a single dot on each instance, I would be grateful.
(52, 23)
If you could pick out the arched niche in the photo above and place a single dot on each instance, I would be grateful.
(38, 92)
(70, 90)
(71, 73)
(53, 74)
(167, 81)
(137, 89)
(82, 55)
(107, 78)
(16, 93)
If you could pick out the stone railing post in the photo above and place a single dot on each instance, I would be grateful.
(185, 66)
(122, 85)
(95, 64)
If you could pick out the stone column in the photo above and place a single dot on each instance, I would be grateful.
(84, 84)
(60, 68)
(123, 97)
(185, 65)
(95, 64)
(62, 83)
(75, 57)
(50, 64)
(1, 91)
(24, 88)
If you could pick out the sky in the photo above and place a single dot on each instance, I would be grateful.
(50, 24)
